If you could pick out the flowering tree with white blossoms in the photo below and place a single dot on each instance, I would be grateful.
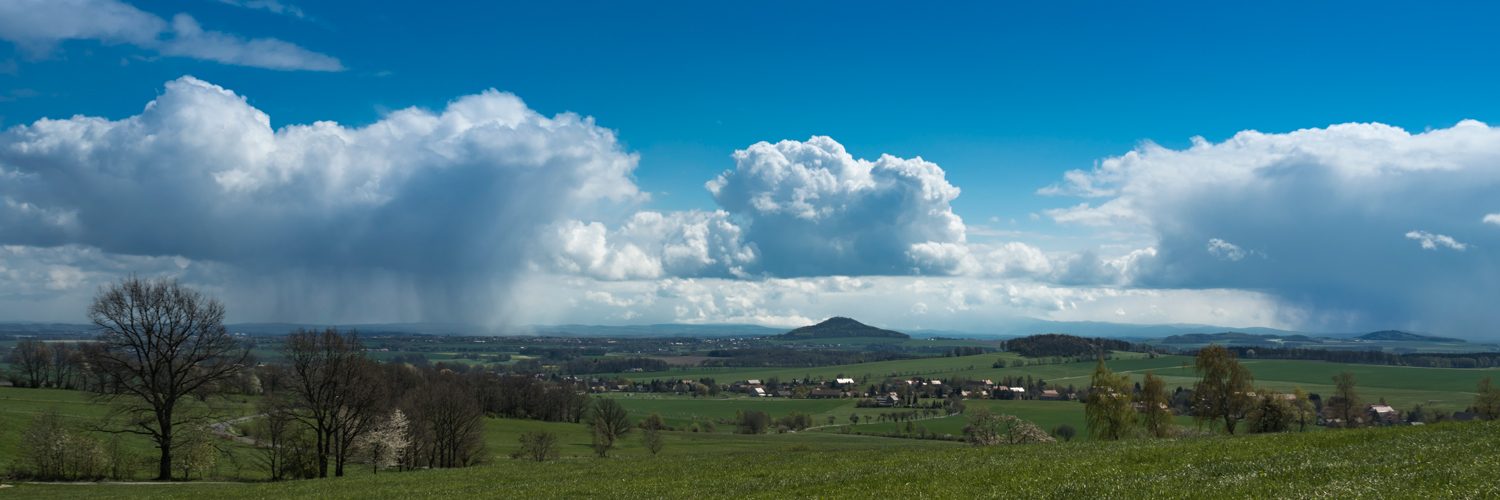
(385, 444)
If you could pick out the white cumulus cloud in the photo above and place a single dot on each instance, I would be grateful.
(442, 206)
(814, 209)
(38, 26)
(652, 245)
(273, 6)
(1324, 202)
(1227, 251)
(1432, 241)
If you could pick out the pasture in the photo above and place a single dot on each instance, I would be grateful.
(1439, 461)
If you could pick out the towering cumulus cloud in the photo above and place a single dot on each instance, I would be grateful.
(1320, 217)
(790, 209)
(440, 207)
(813, 209)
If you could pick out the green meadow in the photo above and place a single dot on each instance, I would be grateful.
(1443, 388)
(1438, 461)
(855, 460)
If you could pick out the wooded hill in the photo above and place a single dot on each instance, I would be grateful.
(1056, 344)
(838, 327)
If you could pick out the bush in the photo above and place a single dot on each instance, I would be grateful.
(1065, 431)
(653, 441)
(540, 446)
(49, 451)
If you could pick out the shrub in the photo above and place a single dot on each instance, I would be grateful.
(49, 451)
(653, 441)
(539, 446)
(1065, 431)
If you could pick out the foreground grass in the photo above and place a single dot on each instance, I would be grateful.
(1440, 461)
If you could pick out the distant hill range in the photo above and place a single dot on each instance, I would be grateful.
(839, 327)
(1241, 338)
(43, 328)
(1400, 335)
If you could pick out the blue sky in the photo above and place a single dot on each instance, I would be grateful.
(1004, 99)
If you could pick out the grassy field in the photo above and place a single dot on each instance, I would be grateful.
(681, 410)
(1451, 389)
(1446, 388)
(1439, 461)
(1405, 387)
(19, 406)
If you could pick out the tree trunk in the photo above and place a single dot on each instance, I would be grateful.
(164, 470)
(323, 445)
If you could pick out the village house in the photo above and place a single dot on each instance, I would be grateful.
(825, 394)
(1382, 414)
(1464, 416)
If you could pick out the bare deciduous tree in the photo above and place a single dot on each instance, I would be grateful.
(274, 436)
(335, 391)
(64, 366)
(29, 361)
(455, 423)
(159, 343)
(653, 440)
(539, 446)
(610, 423)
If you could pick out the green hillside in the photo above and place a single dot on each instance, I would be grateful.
(1439, 461)
(837, 327)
